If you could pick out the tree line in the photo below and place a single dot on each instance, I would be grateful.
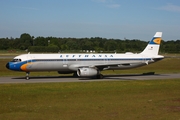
(93, 44)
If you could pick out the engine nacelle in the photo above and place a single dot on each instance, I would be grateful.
(87, 72)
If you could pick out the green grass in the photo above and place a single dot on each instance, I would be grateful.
(12, 52)
(113, 100)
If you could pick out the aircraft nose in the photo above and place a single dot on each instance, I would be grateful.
(7, 65)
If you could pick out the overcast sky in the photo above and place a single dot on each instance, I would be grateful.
(118, 19)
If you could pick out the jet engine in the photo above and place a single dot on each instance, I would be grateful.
(87, 72)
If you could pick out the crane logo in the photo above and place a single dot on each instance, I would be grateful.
(157, 40)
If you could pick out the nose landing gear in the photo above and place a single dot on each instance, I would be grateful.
(27, 75)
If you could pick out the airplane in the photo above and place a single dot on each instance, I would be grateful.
(87, 65)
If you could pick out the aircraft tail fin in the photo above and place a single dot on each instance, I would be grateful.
(153, 46)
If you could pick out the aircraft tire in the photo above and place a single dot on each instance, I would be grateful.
(27, 78)
(75, 75)
(100, 76)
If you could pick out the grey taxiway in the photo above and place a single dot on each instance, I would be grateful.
(46, 79)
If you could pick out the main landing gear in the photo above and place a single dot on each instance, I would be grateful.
(75, 75)
(99, 76)
(27, 75)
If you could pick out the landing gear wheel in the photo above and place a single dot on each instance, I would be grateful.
(100, 76)
(27, 75)
(75, 74)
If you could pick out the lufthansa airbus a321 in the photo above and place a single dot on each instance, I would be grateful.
(86, 65)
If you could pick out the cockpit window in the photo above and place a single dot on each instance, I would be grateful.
(16, 60)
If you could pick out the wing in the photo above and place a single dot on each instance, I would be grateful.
(105, 66)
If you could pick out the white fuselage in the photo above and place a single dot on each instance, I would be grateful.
(71, 62)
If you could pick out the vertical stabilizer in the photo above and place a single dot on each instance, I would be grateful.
(153, 46)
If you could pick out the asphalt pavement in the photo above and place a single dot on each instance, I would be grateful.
(46, 79)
